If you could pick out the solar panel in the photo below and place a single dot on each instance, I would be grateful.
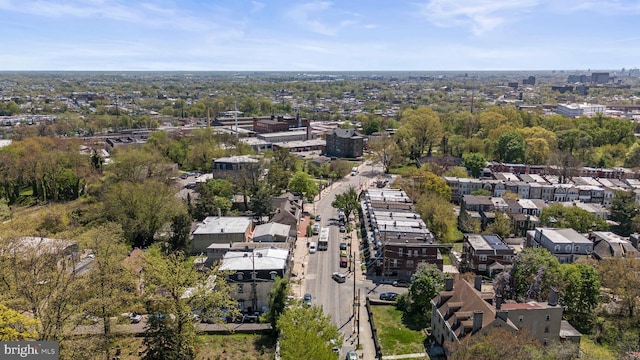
(495, 242)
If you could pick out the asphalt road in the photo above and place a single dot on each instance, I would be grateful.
(337, 299)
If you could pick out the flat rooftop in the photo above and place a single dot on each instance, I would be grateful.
(219, 225)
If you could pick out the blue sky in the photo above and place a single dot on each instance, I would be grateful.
(244, 35)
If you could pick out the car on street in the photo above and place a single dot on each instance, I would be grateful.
(389, 296)
(313, 247)
(343, 229)
(401, 283)
(307, 299)
(339, 277)
(318, 217)
(316, 229)
(343, 246)
(352, 355)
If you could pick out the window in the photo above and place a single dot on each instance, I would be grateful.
(240, 276)
(556, 248)
(482, 267)
(507, 257)
(273, 275)
(400, 252)
(588, 249)
(424, 252)
(409, 264)
(482, 258)
(568, 248)
(576, 248)
(395, 263)
(546, 329)
(240, 288)
(415, 252)
(520, 318)
(548, 317)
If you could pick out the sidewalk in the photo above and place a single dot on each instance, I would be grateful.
(300, 259)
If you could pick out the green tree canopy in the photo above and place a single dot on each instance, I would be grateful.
(579, 293)
(347, 201)
(475, 162)
(534, 272)
(625, 212)
(301, 183)
(15, 326)
(307, 333)
(557, 215)
(428, 280)
(421, 130)
(510, 147)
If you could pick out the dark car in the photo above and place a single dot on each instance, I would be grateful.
(342, 229)
(307, 299)
(401, 283)
(343, 246)
(389, 296)
(318, 217)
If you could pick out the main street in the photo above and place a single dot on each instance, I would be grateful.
(336, 298)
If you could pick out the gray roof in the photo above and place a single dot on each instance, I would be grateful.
(259, 259)
(214, 224)
(243, 159)
(272, 228)
(345, 133)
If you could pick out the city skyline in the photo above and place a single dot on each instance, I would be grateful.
(377, 35)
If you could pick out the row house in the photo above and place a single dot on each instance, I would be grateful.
(487, 254)
(567, 245)
(602, 173)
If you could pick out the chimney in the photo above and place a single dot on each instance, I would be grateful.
(219, 213)
(308, 132)
(477, 321)
(498, 302)
(255, 124)
(477, 283)
(502, 314)
(448, 284)
(553, 297)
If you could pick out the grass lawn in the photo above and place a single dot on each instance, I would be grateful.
(395, 337)
(214, 347)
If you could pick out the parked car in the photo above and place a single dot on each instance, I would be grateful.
(343, 246)
(389, 296)
(401, 283)
(352, 355)
(135, 318)
(342, 229)
(318, 217)
(339, 277)
(307, 299)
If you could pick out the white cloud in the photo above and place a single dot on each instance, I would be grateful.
(479, 15)
(306, 15)
(256, 6)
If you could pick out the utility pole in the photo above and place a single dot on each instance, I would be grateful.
(358, 320)
(355, 300)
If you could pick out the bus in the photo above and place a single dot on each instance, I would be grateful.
(323, 239)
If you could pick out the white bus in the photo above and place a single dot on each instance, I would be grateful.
(323, 239)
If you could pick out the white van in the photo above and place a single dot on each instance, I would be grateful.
(313, 247)
(354, 171)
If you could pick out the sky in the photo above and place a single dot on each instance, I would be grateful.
(340, 35)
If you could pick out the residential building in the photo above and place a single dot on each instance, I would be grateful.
(234, 166)
(271, 232)
(344, 143)
(607, 245)
(567, 245)
(463, 310)
(577, 110)
(252, 275)
(487, 254)
(220, 230)
(288, 211)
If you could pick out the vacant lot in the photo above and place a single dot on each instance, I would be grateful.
(214, 347)
(395, 337)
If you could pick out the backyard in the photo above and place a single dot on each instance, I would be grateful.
(396, 336)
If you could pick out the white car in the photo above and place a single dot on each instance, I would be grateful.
(352, 355)
(135, 318)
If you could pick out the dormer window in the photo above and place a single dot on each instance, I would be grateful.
(240, 276)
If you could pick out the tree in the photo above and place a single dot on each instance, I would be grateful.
(15, 326)
(466, 223)
(278, 298)
(135, 165)
(307, 333)
(214, 194)
(621, 276)
(534, 271)
(632, 159)
(421, 129)
(438, 215)
(261, 203)
(579, 293)
(384, 150)
(302, 184)
(557, 215)
(417, 182)
(170, 333)
(475, 162)
(538, 151)
(140, 208)
(180, 231)
(347, 201)
(510, 147)
(625, 212)
(111, 286)
(278, 178)
(497, 344)
(428, 280)
(501, 225)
